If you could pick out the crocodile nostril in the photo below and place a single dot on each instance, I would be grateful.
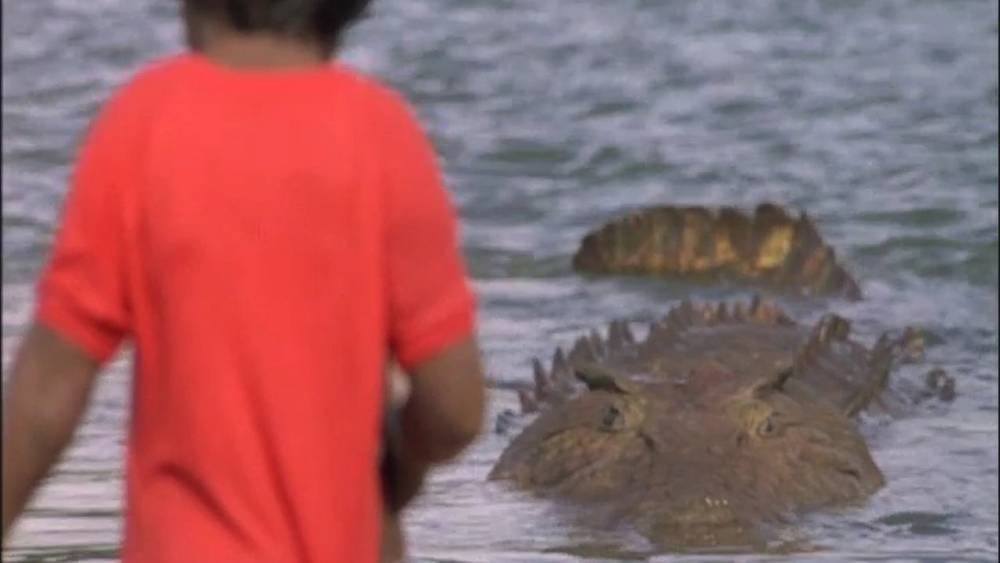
(610, 418)
(766, 428)
(850, 472)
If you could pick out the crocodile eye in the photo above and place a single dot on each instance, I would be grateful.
(608, 423)
(765, 428)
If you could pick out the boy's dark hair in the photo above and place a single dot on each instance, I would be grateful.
(321, 20)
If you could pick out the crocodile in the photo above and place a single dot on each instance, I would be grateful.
(769, 248)
(722, 423)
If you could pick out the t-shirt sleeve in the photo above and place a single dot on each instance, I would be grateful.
(431, 304)
(82, 290)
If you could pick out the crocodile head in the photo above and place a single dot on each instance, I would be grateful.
(705, 461)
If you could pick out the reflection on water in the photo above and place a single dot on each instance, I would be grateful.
(880, 118)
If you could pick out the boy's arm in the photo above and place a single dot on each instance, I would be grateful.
(45, 398)
(402, 479)
(447, 400)
(82, 312)
(442, 415)
(442, 410)
(431, 304)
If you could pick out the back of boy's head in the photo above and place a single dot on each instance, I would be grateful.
(319, 20)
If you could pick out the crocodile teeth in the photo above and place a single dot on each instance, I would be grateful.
(597, 343)
(685, 313)
(528, 403)
(755, 304)
(722, 313)
(881, 354)
(658, 333)
(626, 331)
(538, 371)
(673, 319)
(560, 367)
(616, 339)
(831, 328)
(582, 351)
(542, 382)
(739, 312)
(842, 329)
(705, 312)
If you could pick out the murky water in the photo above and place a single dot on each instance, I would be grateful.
(880, 118)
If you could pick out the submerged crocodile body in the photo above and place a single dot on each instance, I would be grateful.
(721, 421)
(769, 248)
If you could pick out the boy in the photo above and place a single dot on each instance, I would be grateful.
(267, 228)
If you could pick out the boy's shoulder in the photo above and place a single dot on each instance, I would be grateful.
(384, 98)
(146, 86)
(159, 69)
(131, 104)
(155, 82)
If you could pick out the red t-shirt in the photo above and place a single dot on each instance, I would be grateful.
(266, 239)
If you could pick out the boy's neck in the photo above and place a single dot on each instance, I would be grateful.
(255, 50)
